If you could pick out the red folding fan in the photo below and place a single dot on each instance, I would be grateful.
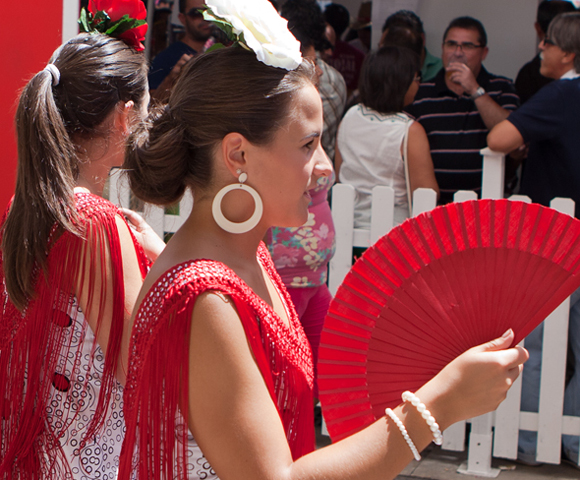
(433, 287)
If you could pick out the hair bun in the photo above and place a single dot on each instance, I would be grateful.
(157, 159)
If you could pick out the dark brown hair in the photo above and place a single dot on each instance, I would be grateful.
(385, 77)
(226, 90)
(404, 18)
(468, 23)
(547, 10)
(96, 72)
(400, 36)
(307, 15)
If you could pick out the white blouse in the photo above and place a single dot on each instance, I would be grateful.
(370, 146)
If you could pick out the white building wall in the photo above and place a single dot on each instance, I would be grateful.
(509, 25)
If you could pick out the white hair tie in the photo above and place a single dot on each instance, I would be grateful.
(55, 72)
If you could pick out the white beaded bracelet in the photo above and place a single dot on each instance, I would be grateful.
(426, 414)
(403, 431)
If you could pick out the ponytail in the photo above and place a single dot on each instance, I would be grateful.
(90, 75)
(47, 169)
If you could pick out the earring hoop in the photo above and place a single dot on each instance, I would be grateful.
(239, 227)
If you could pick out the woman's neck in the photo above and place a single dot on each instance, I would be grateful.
(96, 158)
(230, 248)
(200, 237)
(90, 185)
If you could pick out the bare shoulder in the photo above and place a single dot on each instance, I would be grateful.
(215, 303)
(125, 237)
(416, 129)
(215, 313)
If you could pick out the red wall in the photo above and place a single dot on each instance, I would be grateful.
(30, 32)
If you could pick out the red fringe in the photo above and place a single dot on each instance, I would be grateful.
(154, 395)
(34, 344)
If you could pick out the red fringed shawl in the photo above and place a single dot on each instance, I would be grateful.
(161, 338)
(35, 347)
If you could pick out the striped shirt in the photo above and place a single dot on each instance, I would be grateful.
(332, 89)
(455, 129)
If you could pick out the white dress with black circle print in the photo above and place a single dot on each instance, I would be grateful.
(76, 386)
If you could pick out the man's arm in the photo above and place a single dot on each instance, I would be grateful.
(490, 111)
(540, 118)
(504, 137)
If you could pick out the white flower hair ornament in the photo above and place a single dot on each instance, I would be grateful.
(256, 25)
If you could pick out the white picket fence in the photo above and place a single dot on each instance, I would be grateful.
(494, 434)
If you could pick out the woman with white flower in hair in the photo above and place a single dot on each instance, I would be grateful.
(220, 374)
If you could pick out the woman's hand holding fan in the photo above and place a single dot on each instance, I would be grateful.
(474, 383)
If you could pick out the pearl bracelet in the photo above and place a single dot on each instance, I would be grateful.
(426, 414)
(403, 431)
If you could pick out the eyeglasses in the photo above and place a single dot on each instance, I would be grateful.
(464, 47)
(195, 13)
(549, 41)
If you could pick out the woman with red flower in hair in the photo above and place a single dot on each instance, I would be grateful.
(70, 265)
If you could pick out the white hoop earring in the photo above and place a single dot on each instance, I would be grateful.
(233, 227)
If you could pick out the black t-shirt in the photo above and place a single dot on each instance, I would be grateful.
(550, 121)
(165, 61)
(529, 80)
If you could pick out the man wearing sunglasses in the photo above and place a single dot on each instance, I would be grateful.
(550, 122)
(529, 79)
(460, 105)
(168, 63)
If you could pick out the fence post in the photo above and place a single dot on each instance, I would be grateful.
(454, 437)
(493, 174)
(343, 218)
(424, 199)
(507, 422)
(479, 453)
(382, 217)
(507, 415)
(464, 195)
(481, 437)
(554, 349)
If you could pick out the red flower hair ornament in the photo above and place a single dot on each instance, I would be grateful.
(122, 19)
